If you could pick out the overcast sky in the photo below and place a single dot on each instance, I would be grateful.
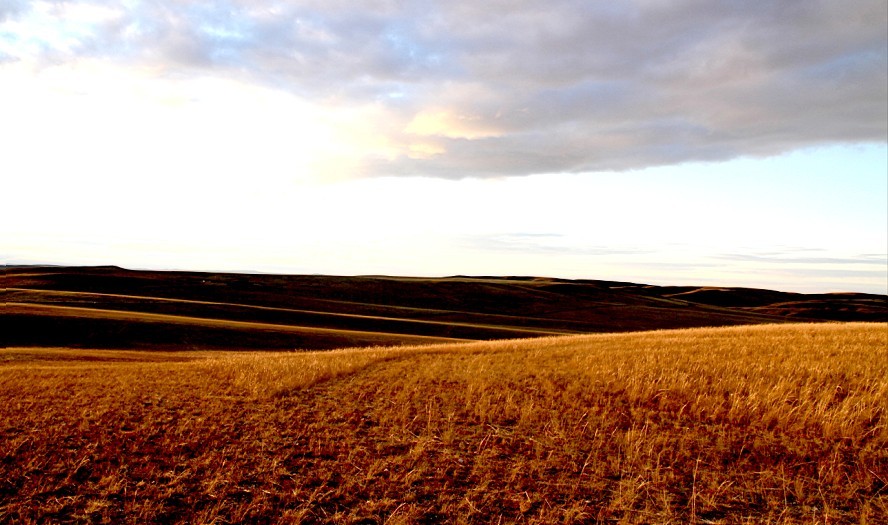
(672, 142)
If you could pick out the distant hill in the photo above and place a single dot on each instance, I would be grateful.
(110, 307)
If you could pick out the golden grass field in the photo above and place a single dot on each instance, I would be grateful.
(778, 424)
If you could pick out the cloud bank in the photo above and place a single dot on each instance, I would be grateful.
(464, 88)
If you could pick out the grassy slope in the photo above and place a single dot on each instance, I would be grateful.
(181, 310)
(768, 424)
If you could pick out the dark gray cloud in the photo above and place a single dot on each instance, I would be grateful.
(522, 87)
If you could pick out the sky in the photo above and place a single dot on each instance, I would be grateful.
(710, 143)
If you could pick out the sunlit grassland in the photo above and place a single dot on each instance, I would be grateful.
(766, 424)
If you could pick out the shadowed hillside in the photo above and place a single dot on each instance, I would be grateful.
(106, 307)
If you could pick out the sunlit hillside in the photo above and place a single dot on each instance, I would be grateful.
(763, 424)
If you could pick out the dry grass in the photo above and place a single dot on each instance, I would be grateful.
(768, 424)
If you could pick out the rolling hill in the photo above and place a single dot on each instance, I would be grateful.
(110, 307)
